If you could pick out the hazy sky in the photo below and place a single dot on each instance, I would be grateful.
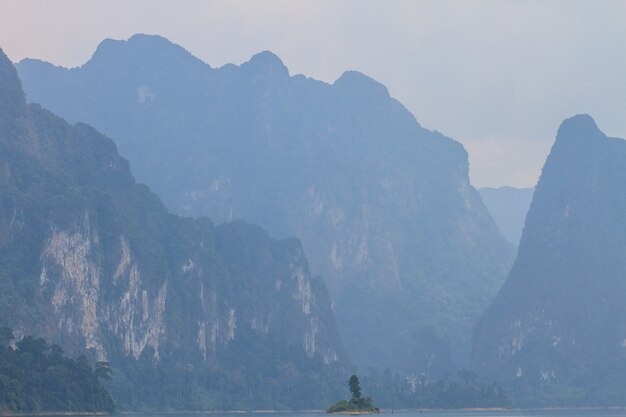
(498, 76)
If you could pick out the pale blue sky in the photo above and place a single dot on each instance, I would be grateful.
(498, 76)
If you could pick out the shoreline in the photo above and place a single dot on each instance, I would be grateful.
(382, 411)
(55, 413)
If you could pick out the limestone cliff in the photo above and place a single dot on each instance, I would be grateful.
(556, 333)
(383, 206)
(190, 315)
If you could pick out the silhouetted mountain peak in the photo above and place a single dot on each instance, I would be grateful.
(268, 64)
(146, 39)
(8, 74)
(359, 83)
(142, 48)
(581, 127)
(555, 332)
(106, 48)
(576, 141)
(12, 100)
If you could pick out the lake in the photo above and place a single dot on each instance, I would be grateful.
(508, 413)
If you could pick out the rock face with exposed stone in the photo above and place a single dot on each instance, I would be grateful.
(187, 313)
(556, 332)
(383, 206)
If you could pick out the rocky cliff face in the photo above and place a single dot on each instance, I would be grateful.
(190, 315)
(556, 331)
(383, 206)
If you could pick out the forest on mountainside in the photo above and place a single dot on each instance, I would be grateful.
(36, 377)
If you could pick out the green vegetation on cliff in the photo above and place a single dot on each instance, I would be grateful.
(384, 207)
(194, 316)
(37, 377)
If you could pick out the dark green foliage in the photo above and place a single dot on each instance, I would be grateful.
(355, 387)
(356, 403)
(103, 370)
(36, 377)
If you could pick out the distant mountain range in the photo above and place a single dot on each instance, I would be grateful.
(556, 332)
(197, 316)
(383, 206)
(508, 207)
(190, 315)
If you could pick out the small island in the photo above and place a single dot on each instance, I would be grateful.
(357, 404)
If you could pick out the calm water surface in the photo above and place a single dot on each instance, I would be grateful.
(513, 413)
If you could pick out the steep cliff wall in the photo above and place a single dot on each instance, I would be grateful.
(556, 333)
(383, 206)
(190, 315)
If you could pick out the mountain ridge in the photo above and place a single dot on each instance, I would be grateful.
(190, 315)
(383, 206)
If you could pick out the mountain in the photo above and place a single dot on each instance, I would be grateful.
(556, 332)
(383, 206)
(190, 315)
(508, 207)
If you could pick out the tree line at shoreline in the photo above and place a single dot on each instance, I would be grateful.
(38, 377)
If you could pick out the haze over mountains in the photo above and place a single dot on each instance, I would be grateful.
(384, 207)
(508, 207)
(193, 316)
(556, 332)
(407, 264)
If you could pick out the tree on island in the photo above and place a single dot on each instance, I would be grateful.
(357, 404)
(355, 387)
